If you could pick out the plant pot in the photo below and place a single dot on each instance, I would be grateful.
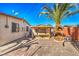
(59, 38)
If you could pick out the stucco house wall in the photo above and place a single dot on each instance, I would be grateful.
(6, 34)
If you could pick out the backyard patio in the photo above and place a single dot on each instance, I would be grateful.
(45, 48)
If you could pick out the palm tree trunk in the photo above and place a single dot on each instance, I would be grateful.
(56, 27)
(57, 24)
(58, 33)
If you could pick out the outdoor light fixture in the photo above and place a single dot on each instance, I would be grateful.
(6, 26)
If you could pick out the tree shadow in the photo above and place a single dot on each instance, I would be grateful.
(16, 49)
(20, 46)
(16, 40)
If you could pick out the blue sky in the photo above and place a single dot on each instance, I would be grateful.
(30, 11)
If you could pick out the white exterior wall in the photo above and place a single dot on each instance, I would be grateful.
(0, 28)
(6, 34)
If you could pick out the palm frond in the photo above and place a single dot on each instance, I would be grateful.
(65, 10)
(71, 6)
(43, 13)
(59, 11)
(46, 8)
(72, 13)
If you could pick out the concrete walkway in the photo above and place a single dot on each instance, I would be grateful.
(53, 48)
(49, 48)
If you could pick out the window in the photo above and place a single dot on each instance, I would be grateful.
(17, 27)
(27, 28)
(14, 26)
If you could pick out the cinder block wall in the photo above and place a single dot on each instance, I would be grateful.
(72, 31)
(78, 33)
(66, 31)
(75, 33)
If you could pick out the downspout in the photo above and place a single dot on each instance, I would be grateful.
(6, 26)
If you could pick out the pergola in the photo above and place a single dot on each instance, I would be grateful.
(43, 31)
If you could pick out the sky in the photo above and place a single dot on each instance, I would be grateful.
(30, 12)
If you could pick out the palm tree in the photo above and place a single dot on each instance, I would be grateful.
(59, 11)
